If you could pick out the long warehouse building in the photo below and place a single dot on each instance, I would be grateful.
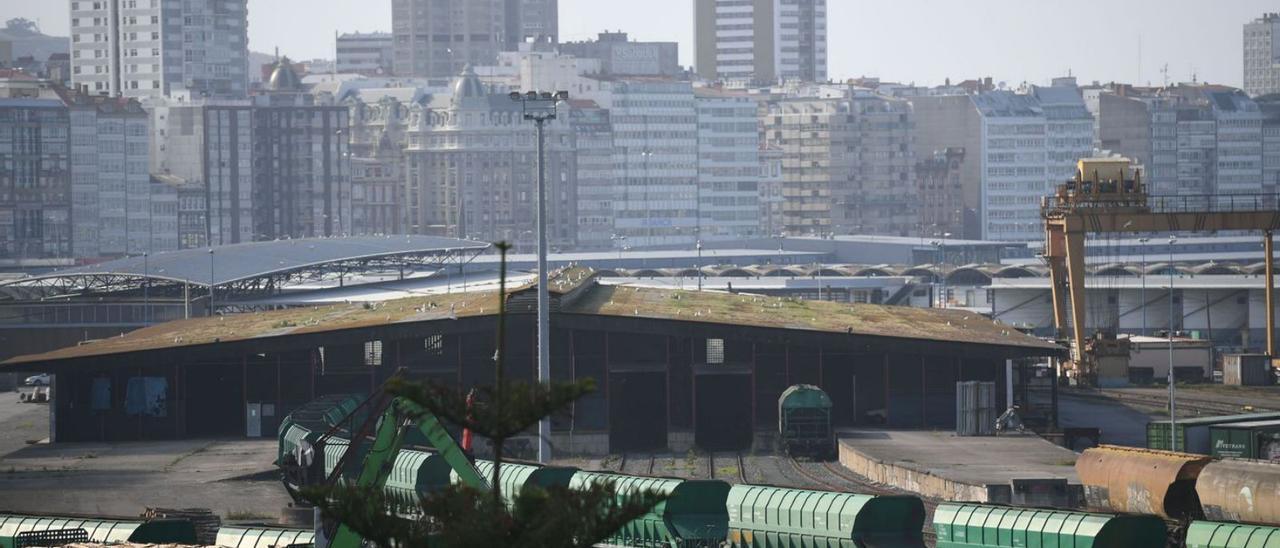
(674, 368)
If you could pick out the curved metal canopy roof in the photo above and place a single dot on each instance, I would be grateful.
(227, 264)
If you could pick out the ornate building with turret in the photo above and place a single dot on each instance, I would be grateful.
(470, 162)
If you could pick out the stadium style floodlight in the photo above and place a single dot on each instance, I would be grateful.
(541, 107)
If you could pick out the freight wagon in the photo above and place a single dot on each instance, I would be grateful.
(804, 422)
(17, 530)
(976, 526)
(264, 537)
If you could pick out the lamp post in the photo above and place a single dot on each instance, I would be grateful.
(699, 246)
(1173, 415)
(540, 107)
(146, 290)
(1142, 293)
(211, 284)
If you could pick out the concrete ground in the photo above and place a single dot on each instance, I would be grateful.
(977, 459)
(1120, 425)
(234, 478)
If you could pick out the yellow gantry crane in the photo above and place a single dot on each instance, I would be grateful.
(1107, 197)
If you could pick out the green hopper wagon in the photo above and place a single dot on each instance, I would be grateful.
(515, 476)
(693, 515)
(264, 537)
(763, 516)
(804, 422)
(1212, 534)
(20, 530)
(982, 526)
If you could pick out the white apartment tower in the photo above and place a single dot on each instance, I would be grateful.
(1262, 55)
(728, 165)
(150, 48)
(761, 41)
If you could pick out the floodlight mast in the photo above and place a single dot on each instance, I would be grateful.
(541, 107)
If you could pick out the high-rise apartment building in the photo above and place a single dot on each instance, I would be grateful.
(620, 56)
(1262, 55)
(597, 182)
(847, 164)
(1190, 139)
(74, 176)
(1018, 146)
(655, 144)
(35, 182)
(365, 53)
(437, 38)
(728, 165)
(531, 21)
(761, 41)
(111, 201)
(273, 166)
(150, 48)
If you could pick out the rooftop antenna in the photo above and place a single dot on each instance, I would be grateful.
(1164, 71)
(1139, 58)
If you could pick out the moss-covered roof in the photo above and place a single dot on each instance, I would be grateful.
(787, 313)
(706, 306)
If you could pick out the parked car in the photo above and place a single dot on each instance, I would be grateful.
(41, 379)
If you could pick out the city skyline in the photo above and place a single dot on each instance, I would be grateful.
(1190, 42)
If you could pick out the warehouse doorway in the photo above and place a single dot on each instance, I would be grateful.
(637, 411)
(722, 411)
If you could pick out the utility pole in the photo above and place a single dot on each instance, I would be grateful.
(540, 107)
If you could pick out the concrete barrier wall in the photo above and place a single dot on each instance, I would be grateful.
(902, 476)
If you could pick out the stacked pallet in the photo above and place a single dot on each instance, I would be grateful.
(205, 521)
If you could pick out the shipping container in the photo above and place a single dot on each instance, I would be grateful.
(1247, 370)
(976, 408)
(1246, 440)
(1193, 433)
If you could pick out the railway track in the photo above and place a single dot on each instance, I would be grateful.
(737, 464)
(1198, 406)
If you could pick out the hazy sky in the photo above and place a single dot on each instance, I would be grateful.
(921, 41)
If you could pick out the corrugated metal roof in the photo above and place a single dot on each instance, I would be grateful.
(230, 263)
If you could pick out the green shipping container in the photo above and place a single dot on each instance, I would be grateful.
(981, 526)
(1246, 440)
(1211, 534)
(1193, 434)
(762, 516)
